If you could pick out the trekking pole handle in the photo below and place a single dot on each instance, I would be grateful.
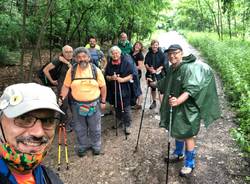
(60, 101)
(170, 96)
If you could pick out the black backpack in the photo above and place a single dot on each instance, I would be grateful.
(54, 73)
(97, 62)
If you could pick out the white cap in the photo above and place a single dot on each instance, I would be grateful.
(20, 98)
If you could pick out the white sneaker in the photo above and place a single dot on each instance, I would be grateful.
(185, 171)
(128, 130)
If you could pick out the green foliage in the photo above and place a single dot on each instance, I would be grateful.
(73, 21)
(7, 57)
(190, 17)
(226, 17)
(104, 19)
(230, 58)
(9, 25)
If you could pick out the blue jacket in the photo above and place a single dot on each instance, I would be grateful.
(42, 175)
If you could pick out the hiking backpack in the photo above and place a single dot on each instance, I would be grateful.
(54, 73)
(99, 55)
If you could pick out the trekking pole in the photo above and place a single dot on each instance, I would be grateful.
(65, 146)
(159, 94)
(169, 135)
(62, 130)
(59, 147)
(142, 115)
(120, 92)
(116, 123)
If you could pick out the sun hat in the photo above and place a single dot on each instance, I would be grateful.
(21, 98)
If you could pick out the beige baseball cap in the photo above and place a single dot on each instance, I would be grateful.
(20, 98)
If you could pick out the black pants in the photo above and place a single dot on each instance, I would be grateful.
(125, 117)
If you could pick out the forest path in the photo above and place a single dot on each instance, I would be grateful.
(218, 158)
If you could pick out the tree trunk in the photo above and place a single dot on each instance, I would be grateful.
(23, 41)
(229, 23)
(216, 24)
(201, 13)
(66, 38)
(235, 24)
(220, 19)
(50, 35)
(244, 22)
(79, 37)
(130, 28)
(79, 23)
(35, 53)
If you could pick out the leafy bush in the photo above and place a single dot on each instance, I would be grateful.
(7, 57)
(230, 59)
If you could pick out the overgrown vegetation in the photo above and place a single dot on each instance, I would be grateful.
(231, 59)
(38, 24)
(8, 57)
(224, 17)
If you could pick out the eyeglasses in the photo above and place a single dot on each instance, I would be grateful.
(28, 121)
(173, 53)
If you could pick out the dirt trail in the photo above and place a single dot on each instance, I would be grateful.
(218, 158)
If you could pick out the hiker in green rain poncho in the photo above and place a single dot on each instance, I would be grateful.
(189, 87)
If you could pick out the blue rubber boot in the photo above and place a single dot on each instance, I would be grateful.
(178, 154)
(179, 147)
(189, 163)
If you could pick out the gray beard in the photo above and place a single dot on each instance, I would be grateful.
(83, 64)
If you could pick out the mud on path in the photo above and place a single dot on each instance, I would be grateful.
(218, 158)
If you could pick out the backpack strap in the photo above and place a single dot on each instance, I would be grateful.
(99, 54)
(93, 69)
(73, 71)
(94, 72)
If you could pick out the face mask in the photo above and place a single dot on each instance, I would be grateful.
(83, 64)
(18, 160)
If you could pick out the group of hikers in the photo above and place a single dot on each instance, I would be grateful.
(87, 80)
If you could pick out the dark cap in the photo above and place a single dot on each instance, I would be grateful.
(173, 48)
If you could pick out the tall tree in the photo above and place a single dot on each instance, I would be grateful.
(23, 40)
(36, 51)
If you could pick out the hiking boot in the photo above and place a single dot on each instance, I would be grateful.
(153, 105)
(68, 129)
(120, 125)
(127, 130)
(186, 171)
(178, 154)
(189, 163)
(81, 153)
(96, 152)
(138, 107)
(173, 158)
(108, 113)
